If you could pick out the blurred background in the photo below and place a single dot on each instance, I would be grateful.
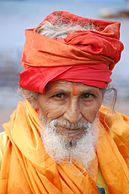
(17, 15)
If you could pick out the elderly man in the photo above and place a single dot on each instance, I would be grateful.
(60, 140)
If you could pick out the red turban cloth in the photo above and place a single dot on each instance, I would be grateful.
(85, 56)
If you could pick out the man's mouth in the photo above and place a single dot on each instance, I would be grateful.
(70, 133)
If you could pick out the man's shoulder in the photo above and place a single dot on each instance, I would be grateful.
(3, 139)
(117, 125)
(114, 122)
(112, 118)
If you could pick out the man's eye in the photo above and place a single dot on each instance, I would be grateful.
(88, 96)
(59, 96)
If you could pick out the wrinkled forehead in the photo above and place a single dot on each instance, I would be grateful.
(72, 87)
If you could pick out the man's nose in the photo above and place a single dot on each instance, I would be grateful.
(73, 114)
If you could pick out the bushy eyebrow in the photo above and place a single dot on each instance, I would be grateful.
(57, 91)
(93, 92)
(89, 91)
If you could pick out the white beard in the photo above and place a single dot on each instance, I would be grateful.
(60, 149)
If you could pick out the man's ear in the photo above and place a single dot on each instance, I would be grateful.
(34, 102)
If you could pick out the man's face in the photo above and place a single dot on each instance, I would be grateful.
(67, 113)
(70, 103)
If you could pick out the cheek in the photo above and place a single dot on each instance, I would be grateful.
(51, 111)
(90, 112)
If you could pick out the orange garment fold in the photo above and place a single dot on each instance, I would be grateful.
(27, 169)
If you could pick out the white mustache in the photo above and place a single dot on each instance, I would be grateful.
(66, 124)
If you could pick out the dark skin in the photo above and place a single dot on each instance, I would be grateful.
(70, 101)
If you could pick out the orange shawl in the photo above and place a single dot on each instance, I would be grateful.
(27, 169)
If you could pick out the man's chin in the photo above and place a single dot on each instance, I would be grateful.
(63, 144)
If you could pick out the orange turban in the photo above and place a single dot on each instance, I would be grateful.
(85, 56)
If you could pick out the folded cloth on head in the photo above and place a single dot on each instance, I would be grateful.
(96, 51)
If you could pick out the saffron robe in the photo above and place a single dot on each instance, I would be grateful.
(27, 169)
